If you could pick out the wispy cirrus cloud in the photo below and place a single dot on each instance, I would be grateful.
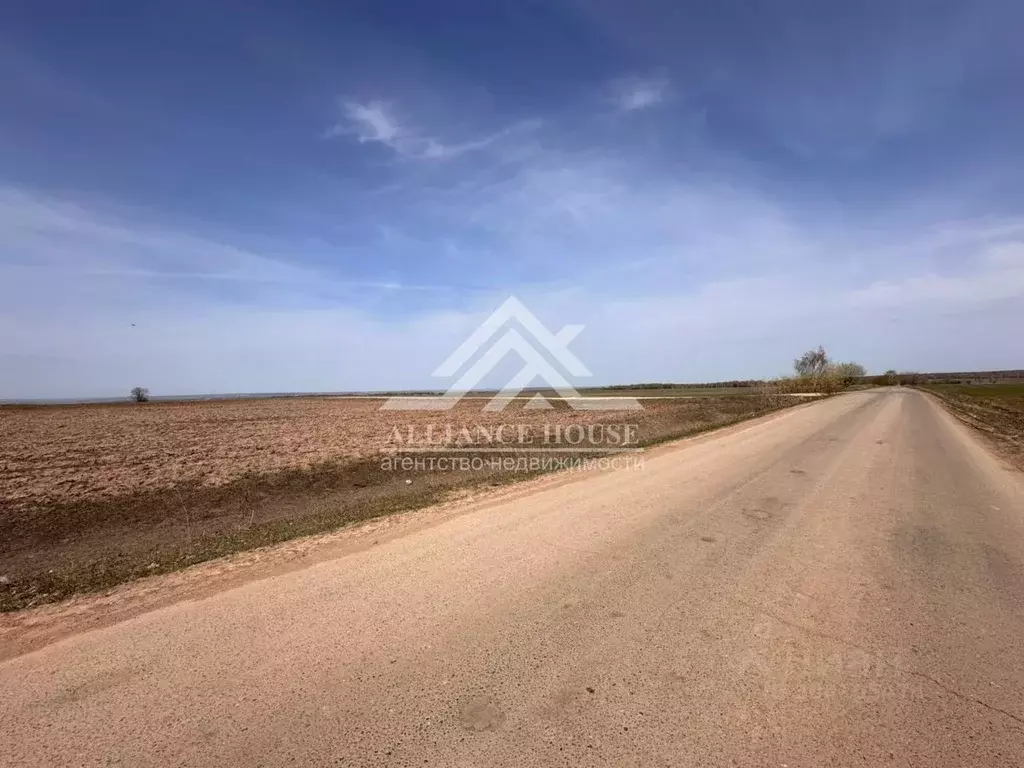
(690, 251)
(378, 122)
(629, 94)
(46, 239)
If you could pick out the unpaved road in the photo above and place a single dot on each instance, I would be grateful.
(841, 584)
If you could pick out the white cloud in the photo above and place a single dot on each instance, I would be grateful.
(633, 93)
(373, 122)
(1009, 254)
(986, 286)
(377, 122)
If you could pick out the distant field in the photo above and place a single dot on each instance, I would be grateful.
(627, 391)
(1001, 391)
(671, 392)
(995, 409)
(94, 495)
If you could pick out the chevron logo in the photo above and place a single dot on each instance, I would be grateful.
(490, 343)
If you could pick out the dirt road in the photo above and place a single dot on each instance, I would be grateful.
(840, 584)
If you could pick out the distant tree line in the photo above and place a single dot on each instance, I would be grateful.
(910, 378)
(966, 377)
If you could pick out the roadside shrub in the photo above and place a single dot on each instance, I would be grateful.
(815, 372)
(850, 373)
(826, 383)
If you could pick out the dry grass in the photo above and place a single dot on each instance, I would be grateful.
(91, 496)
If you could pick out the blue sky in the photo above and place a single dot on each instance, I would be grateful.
(218, 197)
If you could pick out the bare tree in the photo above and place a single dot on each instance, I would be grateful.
(816, 373)
(140, 394)
(814, 362)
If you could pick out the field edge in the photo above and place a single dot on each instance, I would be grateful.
(329, 509)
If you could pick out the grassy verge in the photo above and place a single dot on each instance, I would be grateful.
(51, 551)
(995, 410)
